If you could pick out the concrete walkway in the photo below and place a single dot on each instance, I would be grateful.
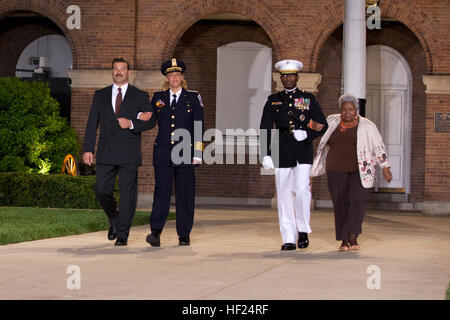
(234, 254)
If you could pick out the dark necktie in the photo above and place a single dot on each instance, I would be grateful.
(118, 101)
(174, 100)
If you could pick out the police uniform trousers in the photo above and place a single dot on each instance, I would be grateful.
(104, 185)
(184, 177)
(294, 201)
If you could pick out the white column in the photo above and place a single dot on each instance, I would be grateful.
(354, 50)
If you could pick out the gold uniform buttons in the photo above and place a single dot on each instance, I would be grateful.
(172, 142)
(172, 125)
(173, 117)
(290, 97)
(290, 104)
(172, 134)
(290, 122)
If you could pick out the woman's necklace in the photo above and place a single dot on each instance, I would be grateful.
(343, 127)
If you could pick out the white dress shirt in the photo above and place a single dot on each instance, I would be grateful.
(176, 94)
(115, 92)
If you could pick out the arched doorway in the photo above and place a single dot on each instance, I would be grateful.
(244, 80)
(389, 98)
(34, 47)
(201, 48)
(55, 50)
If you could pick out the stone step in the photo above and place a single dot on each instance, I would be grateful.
(388, 197)
(395, 206)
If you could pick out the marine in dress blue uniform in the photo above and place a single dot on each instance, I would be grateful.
(299, 120)
(175, 110)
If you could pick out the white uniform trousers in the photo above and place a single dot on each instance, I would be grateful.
(294, 201)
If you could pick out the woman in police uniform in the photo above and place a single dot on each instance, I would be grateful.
(175, 108)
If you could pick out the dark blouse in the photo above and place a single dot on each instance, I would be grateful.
(342, 155)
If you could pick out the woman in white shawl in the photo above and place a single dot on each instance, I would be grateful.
(348, 153)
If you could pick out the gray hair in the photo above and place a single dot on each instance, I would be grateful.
(347, 97)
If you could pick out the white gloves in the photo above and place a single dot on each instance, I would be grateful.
(268, 163)
(300, 135)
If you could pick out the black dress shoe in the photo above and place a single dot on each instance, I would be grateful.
(288, 246)
(112, 233)
(153, 239)
(303, 241)
(121, 242)
(184, 241)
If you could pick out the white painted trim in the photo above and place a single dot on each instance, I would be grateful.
(436, 84)
(143, 79)
(145, 201)
(306, 81)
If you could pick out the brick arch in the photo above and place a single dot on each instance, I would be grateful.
(258, 11)
(56, 11)
(391, 9)
(226, 34)
(402, 12)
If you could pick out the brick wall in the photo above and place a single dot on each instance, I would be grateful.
(146, 32)
(437, 164)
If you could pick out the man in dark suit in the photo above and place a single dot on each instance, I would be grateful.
(116, 108)
(299, 120)
(177, 110)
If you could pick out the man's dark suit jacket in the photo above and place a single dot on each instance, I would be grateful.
(117, 146)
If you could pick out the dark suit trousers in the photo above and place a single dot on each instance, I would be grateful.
(349, 202)
(104, 184)
(184, 198)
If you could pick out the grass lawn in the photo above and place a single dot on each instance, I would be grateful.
(19, 224)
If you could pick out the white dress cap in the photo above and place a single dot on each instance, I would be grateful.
(288, 66)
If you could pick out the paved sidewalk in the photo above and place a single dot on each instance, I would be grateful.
(234, 254)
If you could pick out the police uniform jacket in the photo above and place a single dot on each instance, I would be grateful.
(288, 111)
(189, 108)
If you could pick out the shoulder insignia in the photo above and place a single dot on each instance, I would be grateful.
(200, 99)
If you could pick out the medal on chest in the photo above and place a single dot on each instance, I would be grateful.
(302, 103)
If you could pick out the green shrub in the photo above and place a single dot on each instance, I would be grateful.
(48, 191)
(33, 136)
